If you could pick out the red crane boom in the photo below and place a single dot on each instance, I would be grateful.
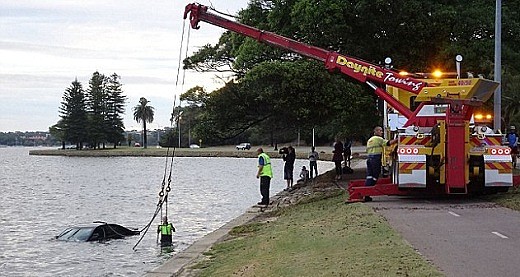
(360, 70)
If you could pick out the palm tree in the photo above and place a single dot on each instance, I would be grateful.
(144, 113)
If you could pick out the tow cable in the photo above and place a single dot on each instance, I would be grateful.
(166, 183)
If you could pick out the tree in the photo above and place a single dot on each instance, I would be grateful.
(115, 107)
(58, 131)
(144, 113)
(511, 100)
(73, 115)
(97, 110)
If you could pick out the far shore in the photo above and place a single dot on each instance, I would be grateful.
(152, 151)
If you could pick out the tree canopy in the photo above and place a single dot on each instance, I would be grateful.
(144, 113)
(93, 116)
(276, 93)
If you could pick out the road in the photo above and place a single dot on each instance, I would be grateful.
(462, 237)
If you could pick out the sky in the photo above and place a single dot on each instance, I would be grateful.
(46, 44)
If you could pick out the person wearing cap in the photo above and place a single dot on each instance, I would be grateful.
(512, 142)
(265, 173)
(166, 229)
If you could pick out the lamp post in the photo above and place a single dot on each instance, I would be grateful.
(498, 66)
(158, 135)
(458, 59)
(179, 126)
(386, 134)
(313, 141)
(189, 132)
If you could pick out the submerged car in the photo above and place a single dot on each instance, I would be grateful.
(100, 232)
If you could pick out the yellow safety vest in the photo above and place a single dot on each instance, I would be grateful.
(375, 145)
(166, 229)
(266, 170)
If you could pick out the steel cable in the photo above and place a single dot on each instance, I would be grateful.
(163, 194)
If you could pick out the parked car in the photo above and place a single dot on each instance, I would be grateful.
(244, 146)
(194, 146)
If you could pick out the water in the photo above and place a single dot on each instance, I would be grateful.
(41, 196)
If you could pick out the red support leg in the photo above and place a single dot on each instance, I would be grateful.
(357, 189)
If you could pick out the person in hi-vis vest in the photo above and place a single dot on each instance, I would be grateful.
(375, 151)
(166, 229)
(265, 173)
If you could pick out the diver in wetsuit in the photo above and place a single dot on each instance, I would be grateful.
(166, 229)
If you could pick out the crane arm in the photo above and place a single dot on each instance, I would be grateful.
(199, 13)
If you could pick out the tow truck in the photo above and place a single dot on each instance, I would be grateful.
(438, 152)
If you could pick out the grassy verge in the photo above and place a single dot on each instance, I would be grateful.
(322, 237)
(510, 199)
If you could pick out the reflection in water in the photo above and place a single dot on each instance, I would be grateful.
(42, 196)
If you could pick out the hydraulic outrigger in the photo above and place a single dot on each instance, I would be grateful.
(438, 151)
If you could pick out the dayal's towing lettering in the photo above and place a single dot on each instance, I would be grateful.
(356, 68)
(387, 77)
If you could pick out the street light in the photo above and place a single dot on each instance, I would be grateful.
(458, 59)
(388, 65)
(179, 126)
(158, 135)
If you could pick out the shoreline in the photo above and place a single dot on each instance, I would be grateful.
(218, 151)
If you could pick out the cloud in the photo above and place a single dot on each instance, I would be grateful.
(45, 45)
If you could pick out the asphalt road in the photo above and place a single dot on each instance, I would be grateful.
(461, 237)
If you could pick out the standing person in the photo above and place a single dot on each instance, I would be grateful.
(166, 229)
(265, 173)
(512, 142)
(337, 157)
(347, 151)
(313, 161)
(375, 151)
(288, 169)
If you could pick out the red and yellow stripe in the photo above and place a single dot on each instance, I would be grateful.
(488, 141)
(412, 140)
(407, 168)
(502, 167)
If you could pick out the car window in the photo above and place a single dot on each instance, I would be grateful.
(67, 234)
(83, 234)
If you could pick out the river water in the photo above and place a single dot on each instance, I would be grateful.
(41, 196)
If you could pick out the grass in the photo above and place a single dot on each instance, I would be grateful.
(510, 199)
(324, 237)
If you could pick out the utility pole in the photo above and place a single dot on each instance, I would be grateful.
(497, 121)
